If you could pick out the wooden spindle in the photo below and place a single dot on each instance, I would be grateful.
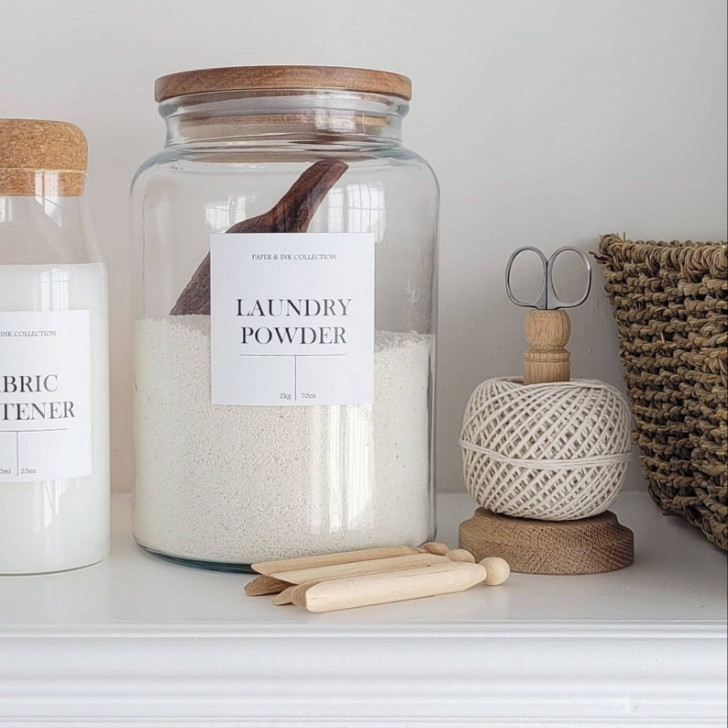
(547, 333)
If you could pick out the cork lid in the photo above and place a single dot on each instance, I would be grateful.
(39, 144)
(247, 78)
(30, 146)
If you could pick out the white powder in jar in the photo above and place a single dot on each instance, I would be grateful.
(239, 484)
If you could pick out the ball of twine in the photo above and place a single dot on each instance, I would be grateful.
(555, 452)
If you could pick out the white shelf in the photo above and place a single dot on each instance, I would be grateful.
(136, 641)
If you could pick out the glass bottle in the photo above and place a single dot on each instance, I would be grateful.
(54, 410)
(284, 385)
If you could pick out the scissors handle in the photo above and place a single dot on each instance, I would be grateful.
(540, 300)
(547, 297)
(552, 300)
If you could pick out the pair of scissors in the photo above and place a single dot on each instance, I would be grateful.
(547, 298)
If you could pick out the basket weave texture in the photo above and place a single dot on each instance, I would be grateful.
(671, 305)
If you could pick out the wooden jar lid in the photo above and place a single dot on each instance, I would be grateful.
(31, 146)
(245, 78)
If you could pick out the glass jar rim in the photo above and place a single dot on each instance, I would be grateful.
(270, 78)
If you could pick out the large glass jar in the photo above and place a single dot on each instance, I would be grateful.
(285, 339)
(54, 379)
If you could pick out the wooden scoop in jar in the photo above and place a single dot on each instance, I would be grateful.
(292, 214)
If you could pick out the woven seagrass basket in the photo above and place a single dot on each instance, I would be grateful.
(671, 305)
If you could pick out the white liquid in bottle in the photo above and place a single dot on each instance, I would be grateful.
(54, 438)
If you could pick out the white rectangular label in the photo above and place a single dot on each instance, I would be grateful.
(45, 395)
(292, 318)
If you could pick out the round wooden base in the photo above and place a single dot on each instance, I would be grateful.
(586, 546)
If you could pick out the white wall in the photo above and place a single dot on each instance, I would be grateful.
(547, 122)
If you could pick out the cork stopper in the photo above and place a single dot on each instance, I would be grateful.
(38, 157)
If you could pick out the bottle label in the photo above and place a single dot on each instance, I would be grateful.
(45, 395)
(292, 318)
